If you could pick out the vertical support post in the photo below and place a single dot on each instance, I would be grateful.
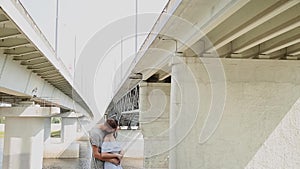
(185, 106)
(154, 123)
(23, 143)
(68, 128)
(47, 130)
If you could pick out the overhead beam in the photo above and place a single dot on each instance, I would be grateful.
(10, 36)
(278, 25)
(291, 50)
(56, 74)
(38, 66)
(55, 81)
(6, 32)
(266, 38)
(256, 22)
(213, 23)
(164, 76)
(4, 21)
(11, 42)
(62, 83)
(34, 61)
(47, 68)
(295, 53)
(25, 53)
(51, 71)
(27, 57)
(282, 46)
(28, 44)
(63, 88)
(279, 42)
(19, 51)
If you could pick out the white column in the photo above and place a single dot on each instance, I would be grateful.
(24, 135)
(47, 129)
(66, 148)
(23, 143)
(191, 101)
(68, 128)
(154, 122)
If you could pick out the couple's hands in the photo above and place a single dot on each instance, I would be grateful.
(118, 159)
(115, 161)
(119, 156)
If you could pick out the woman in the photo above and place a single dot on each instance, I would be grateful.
(110, 145)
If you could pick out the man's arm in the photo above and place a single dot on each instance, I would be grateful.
(112, 158)
(108, 155)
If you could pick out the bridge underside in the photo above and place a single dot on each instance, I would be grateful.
(26, 72)
(34, 86)
(229, 29)
(234, 91)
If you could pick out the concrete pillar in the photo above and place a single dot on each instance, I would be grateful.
(154, 106)
(24, 135)
(47, 129)
(65, 147)
(23, 143)
(184, 109)
(68, 128)
(253, 124)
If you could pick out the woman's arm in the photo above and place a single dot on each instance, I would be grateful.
(121, 153)
(112, 158)
(108, 155)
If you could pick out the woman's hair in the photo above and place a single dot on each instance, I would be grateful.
(113, 123)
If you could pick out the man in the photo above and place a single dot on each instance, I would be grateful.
(96, 138)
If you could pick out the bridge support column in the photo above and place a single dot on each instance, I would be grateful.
(68, 128)
(154, 122)
(183, 112)
(65, 148)
(257, 127)
(24, 135)
(23, 143)
(47, 129)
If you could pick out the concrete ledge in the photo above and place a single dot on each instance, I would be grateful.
(32, 111)
(70, 115)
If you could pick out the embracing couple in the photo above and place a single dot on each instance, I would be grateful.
(107, 153)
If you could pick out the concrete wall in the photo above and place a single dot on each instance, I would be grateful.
(132, 143)
(281, 149)
(154, 122)
(259, 94)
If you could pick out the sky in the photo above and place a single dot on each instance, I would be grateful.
(80, 20)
